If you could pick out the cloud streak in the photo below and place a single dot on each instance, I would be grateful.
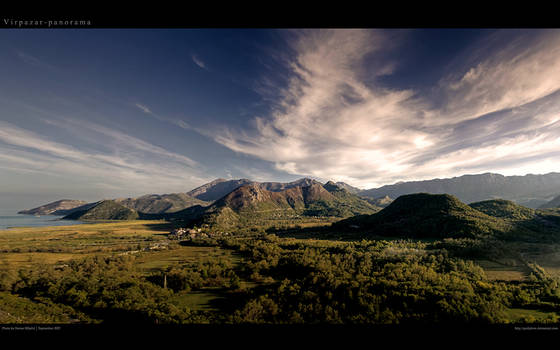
(131, 164)
(332, 122)
(198, 62)
(177, 122)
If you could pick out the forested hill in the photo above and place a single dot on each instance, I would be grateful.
(424, 215)
(165, 203)
(104, 210)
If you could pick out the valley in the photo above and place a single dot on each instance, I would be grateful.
(315, 253)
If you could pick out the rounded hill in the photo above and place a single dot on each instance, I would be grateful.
(427, 215)
(502, 208)
(104, 210)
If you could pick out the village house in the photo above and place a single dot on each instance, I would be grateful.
(189, 234)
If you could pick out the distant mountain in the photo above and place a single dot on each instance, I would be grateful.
(349, 188)
(504, 209)
(281, 186)
(165, 203)
(380, 202)
(218, 188)
(425, 215)
(61, 207)
(529, 190)
(104, 210)
(252, 202)
(554, 203)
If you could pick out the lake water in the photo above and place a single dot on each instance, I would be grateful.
(10, 218)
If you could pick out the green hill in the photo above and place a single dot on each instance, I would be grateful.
(344, 203)
(502, 208)
(165, 203)
(104, 210)
(427, 215)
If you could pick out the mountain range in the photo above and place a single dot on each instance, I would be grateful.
(248, 202)
(253, 202)
(220, 187)
(339, 199)
(530, 190)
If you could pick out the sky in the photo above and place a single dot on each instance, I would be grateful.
(105, 113)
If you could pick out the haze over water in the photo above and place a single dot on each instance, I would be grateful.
(9, 219)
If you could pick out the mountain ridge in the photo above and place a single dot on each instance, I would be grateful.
(161, 203)
(104, 210)
(60, 207)
(252, 201)
(554, 203)
(218, 188)
(528, 190)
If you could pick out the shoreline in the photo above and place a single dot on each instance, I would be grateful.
(9, 221)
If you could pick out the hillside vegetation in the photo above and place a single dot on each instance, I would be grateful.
(104, 210)
(166, 203)
(129, 274)
(427, 215)
(251, 203)
(502, 208)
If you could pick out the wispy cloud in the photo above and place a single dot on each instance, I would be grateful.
(177, 122)
(517, 74)
(32, 60)
(143, 108)
(198, 62)
(131, 164)
(330, 123)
